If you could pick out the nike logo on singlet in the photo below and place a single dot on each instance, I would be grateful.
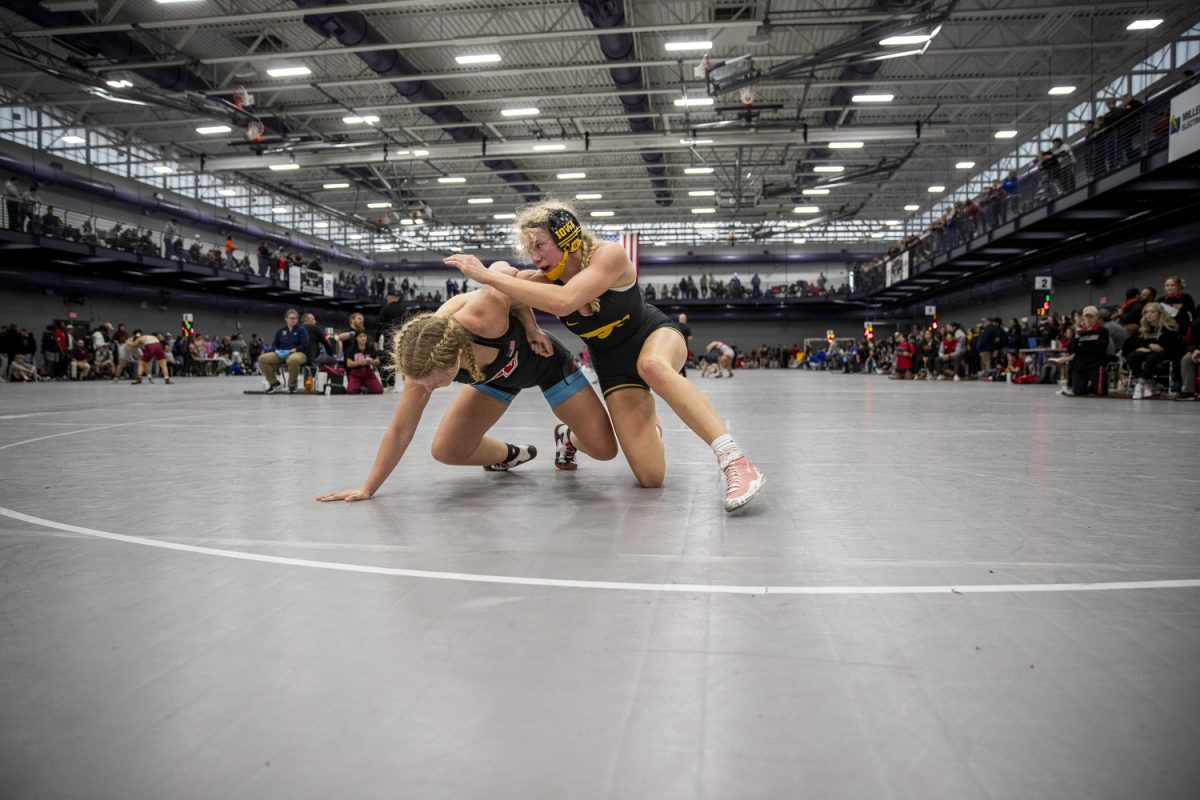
(572, 324)
(604, 331)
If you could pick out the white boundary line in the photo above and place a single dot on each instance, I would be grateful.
(691, 588)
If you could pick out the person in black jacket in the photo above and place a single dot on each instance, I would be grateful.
(986, 345)
(320, 350)
(1087, 354)
(391, 317)
(1156, 341)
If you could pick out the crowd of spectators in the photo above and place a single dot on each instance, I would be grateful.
(688, 288)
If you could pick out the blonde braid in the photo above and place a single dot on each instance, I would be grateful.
(428, 343)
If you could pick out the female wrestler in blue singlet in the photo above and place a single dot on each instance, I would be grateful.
(592, 287)
(449, 345)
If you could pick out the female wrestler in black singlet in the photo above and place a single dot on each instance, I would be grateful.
(592, 287)
(449, 345)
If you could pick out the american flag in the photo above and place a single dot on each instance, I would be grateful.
(631, 244)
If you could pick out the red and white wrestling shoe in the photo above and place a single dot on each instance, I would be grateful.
(564, 451)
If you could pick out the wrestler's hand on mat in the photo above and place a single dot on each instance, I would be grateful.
(468, 265)
(540, 342)
(350, 496)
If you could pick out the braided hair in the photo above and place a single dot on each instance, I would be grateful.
(428, 343)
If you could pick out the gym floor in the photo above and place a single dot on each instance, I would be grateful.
(945, 590)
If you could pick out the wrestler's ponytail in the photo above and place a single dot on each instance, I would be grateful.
(428, 343)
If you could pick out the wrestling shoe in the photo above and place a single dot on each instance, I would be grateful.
(168, 381)
(742, 482)
(517, 454)
(564, 451)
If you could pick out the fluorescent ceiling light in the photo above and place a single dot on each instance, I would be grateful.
(697, 170)
(382, 204)
(420, 153)
(480, 201)
(104, 95)
(520, 112)
(806, 210)
(694, 101)
(873, 98)
(695, 141)
(815, 191)
(284, 167)
(910, 38)
(603, 213)
(406, 221)
(336, 186)
(964, 165)
(701, 193)
(936, 189)
(505, 215)
(480, 58)
(1143, 24)
(672, 47)
(829, 168)
(279, 210)
(418, 221)
(912, 208)
(1006, 134)
(163, 170)
(589, 196)
(704, 211)
(320, 224)
(226, 192)
(288, 72)
(845, 145)
(547, 148)
(209, 130)
(571, 176)
(170, 2)
(799, 241)
(878, 235)
(122, 84)
(1061, 90)
(660, 244)
(368, 119)
(354, 236)
(452, 179)
(891, 222)
(73, 139)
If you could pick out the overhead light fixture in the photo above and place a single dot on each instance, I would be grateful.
(891, 223)
(964, 165)
(284, 167)
(104, 95)
(367, 120)
(589, 196)
(548, 148)
(806, 210)
(504, 215)
(845, 145)
(877, 235)
(695, 141)
(693, 101)
(1143, 24)
(899, 54)
(660, 244)
(799, 241)
(704, 211)
(418, 221)
(227, 192)
(121, 84)
(519, 112)
(355, 236)
(1006, 134)
(910, 38)
(320, 224)
(379, 205)
(829, 168)
(406, 221)
(162, 169)
(68, 139)
(1061, 90)
(479, 201)
(210, 130)
(675, 47)
(479, 58)
(873, 98)
(936, 189)
(172, 2)
(452, 179)
(697, 170)
(336, 186)
(288, 72)
(912, 207)
(279, 210)
(420, 153)
(815, 191)
(571, 176)
(603, 213)
(702, 193)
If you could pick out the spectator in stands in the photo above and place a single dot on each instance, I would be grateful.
(362, 358)
(51, 223)
(54, 350)
(88, 232)
(1131, 314)
(230, 249)
(973, 217)
(1178, 305)
(104, 365)
(1156, 342)
(237, 353)
(287, 347)
(987, 345)
(170, 235)
(31, 205)
(905, 353)
(1064, 176)
(320, 351)
(927, 355)
(951, 352)
(1012, 191)
(1087, 354)
(12, 204)
(263, 254)
(1187, 367)
(79, 360)
(995, 203)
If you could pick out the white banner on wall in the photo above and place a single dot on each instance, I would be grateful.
(896, 269)
(310, 281)
(1185, 124)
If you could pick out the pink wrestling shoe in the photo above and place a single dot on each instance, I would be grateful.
(742, 482)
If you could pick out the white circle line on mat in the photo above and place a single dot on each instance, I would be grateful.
(687, 588)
